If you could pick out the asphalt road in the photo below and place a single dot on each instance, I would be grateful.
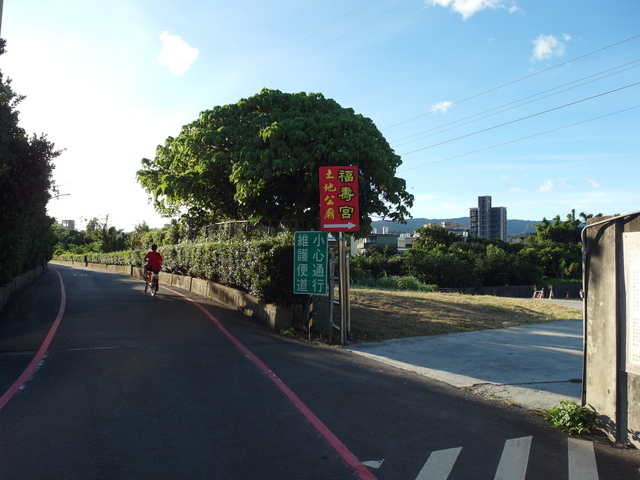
(128, 386)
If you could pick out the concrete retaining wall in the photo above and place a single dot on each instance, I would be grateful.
(275, 316)
(9, 290)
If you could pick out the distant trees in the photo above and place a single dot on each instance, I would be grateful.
(442, 258)
(25, 188)
(98, 237)
(558, 246)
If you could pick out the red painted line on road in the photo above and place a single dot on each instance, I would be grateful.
(329, 436)
(33, 365)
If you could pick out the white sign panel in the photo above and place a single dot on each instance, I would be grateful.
(631, 253)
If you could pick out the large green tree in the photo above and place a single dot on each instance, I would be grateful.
(25, 185)
(258, 160)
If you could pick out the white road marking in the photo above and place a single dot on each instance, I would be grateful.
(373, 463)
(582, 460)
(514, 459)
(439, 464)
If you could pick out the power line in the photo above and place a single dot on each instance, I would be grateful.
(521, 119)
(519, 139)
(518, 103)
(513, 81)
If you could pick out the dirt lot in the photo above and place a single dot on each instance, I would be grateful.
(383, 314)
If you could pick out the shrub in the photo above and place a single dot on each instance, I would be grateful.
(396, 283)
(262, 267)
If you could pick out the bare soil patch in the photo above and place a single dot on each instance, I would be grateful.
(385, 314)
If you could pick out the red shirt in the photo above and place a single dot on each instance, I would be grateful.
(154, 260)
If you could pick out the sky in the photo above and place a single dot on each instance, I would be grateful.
(533, 102)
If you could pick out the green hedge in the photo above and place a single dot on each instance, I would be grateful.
(263, 268)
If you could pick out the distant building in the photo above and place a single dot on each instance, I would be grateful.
(69, 224)
(451, 227)
(486, 221)
(375, 239)
(405, 242)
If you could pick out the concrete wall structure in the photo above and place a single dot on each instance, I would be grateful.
(611, 383)
(8, 291)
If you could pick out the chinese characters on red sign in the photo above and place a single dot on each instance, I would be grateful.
(339, 210)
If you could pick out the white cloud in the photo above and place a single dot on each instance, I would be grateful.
(447, 206)
(467, 8)
(594, 184)
(550, 185)
(441, 107)
(547, 46)
(176, 54)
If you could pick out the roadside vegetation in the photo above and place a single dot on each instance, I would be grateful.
(26, 165)
(570, 417)
(258, 259)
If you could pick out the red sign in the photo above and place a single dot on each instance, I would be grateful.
(339, 210)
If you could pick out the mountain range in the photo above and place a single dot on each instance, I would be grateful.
(514, 227)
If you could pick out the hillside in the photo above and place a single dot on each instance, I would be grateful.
(514, 227)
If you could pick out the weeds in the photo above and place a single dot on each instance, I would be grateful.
(571, 417)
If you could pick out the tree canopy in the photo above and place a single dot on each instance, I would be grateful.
(258, 160)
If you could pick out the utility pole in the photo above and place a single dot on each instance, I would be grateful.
(1, 5)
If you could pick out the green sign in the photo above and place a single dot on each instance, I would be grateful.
(310, 263)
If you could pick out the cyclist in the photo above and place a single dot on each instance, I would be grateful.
(153, 261)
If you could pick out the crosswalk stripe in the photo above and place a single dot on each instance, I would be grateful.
(439, 464)
(514, 459)
(582, 460)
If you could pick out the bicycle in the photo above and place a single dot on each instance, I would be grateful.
(151, 282)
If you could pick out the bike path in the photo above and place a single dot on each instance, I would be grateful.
(134, 386)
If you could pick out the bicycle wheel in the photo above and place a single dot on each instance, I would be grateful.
(146, 286)
(154, 289)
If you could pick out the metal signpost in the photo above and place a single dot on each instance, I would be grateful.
(339, 212)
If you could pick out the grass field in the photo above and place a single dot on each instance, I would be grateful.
(384, 314)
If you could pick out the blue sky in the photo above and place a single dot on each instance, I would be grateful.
(530, 101)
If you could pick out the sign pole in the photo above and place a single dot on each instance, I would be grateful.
(347, 276)
(340, 212)
(344, 289)
(332, 283)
